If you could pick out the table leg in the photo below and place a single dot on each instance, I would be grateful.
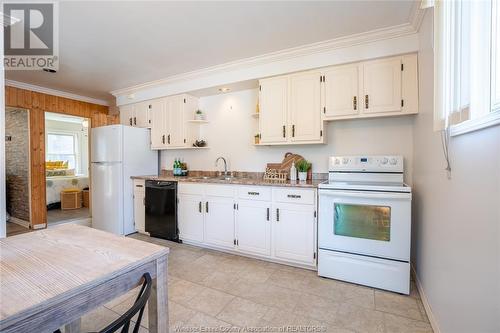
(73, 327)
(158, 301)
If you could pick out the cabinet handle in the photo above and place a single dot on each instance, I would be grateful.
(284, 131)
(267, 216)
(199, 206)
(206, 206)
(294, 196)
(277, 214)
(163, 139)
(168, 139)
(138, 186)
(355, 102)
(253, 193)
(366, 101)
(130, 121)
(135, 121)
(293, 131)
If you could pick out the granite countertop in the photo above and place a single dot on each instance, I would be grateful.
(238, 180)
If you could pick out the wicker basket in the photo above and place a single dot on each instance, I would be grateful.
(86, 198)
(71, 199)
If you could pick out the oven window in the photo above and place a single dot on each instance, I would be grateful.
(363, 221)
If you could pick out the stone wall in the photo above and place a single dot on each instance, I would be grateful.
(17, 163)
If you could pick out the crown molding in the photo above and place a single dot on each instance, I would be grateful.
(49, 91)
(416, 16)
(283, 55)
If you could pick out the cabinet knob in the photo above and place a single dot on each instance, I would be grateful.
(355, 103)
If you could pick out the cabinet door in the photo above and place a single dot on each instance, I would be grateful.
(219, 221)
(158, 123)
(381, 86)
(341, 91)
(141, 114)
(176, 125)
(293, 233)
(190, 217)
(253, 227)
(127, 115)
(273, 105)
(305, 107)
(139, 209)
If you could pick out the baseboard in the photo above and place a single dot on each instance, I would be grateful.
(425, 302)
(20, 222)
(39, 226)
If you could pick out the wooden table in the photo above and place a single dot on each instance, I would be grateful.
(52, 277)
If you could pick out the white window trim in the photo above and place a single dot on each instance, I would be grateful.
(472, 125)
(76, 143)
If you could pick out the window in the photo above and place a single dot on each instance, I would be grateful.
(63, 147)
(467, 65)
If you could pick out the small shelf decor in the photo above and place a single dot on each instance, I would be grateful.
(198, 115)
(276, 175)
(256, 139)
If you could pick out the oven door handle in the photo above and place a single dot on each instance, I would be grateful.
(365, 194)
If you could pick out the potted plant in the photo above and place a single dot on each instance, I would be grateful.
(198, 115)
(302, 167)
(256, 138)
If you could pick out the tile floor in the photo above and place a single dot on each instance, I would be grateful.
(213, 289)
(15, 229)
(59, 215)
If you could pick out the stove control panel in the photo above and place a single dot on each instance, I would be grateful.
(378, 163)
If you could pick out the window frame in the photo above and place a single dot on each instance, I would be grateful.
(76, 150)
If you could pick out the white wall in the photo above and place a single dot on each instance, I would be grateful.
(231, 130)
(456, 221)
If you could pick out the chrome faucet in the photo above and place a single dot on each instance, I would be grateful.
(225, 164)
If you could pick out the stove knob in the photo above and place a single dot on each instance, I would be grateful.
(337, 161)
(384, 160)
(345, 160)
(394, 161)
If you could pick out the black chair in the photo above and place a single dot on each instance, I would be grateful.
(138, 307)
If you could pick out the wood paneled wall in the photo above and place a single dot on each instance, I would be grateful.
(38, 104)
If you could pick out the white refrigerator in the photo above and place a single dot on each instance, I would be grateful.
(117, 153)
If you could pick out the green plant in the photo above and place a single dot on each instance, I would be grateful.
(198, 112)
(303, 166)
(256, 136)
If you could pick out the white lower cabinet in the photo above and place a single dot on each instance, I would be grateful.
(244, 219)
(139, 208)
(253, 227)
(293, 232)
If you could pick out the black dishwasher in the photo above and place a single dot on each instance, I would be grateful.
(161, 209)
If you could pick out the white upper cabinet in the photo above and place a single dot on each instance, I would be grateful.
(273, 110)
(340, 91)
(381, 84)
(137, 115)
(127, 115)
(158, 123)
(305, 123)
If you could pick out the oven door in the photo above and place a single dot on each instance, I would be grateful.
(369, 223)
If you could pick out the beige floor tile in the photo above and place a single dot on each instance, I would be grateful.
(397, 324)
(274, 296)
(209, 301)
(257, 274)
(179, 314)
(242, 312)
(405, 306)
(360, 319)
(316, 307)
(220, 281)
(202, 320)
(183, 291)
(287, 279)
(194, 273)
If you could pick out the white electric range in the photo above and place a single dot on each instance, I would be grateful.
(364, 228)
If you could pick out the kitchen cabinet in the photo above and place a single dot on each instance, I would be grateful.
(158, 124)
(340, 91)
(139, 208)
(305, 123)
(253, 227)
(273, 104)
(293, 232)
(219, 221)
(381, 87)
(137, 115)
(190, 217)
(243, 219)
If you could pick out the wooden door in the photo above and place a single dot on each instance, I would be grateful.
(293, 232)
(305, 107)
(340, 91)
(190, 217)
(219, 221)
(382, 86)
(273, 103)
(253, 227)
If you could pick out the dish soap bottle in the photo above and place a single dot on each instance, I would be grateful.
(293, 172)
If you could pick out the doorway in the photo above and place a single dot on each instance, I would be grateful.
(67, 168)
(17, 170)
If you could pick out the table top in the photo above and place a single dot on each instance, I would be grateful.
(42, 266)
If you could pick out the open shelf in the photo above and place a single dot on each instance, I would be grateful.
(195, 121)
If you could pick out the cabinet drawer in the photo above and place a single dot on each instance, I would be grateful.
(186, 188)
(139, 186)
(227, 191)
(294, 195)
(254, 193)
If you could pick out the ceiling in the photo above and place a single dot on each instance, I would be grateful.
(106, 46)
